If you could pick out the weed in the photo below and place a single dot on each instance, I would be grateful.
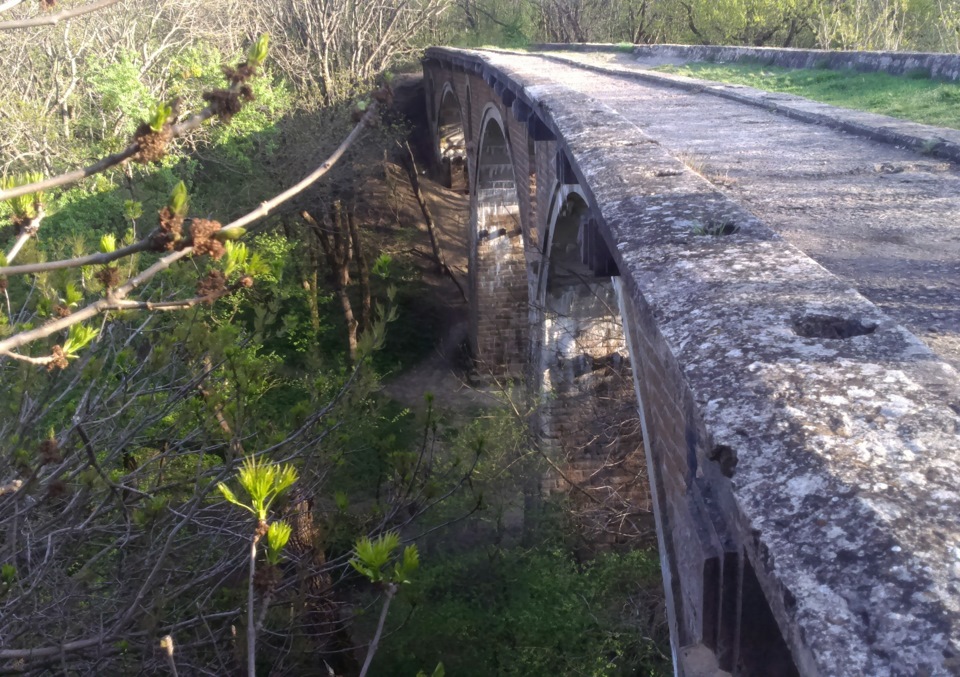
(693, 161)
(715, 228)
(929, 146)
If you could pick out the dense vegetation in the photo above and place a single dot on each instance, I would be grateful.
(923, 25)
(137, 536)
(911, 98)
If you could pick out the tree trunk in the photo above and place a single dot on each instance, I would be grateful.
(363, 270)
(335, 240)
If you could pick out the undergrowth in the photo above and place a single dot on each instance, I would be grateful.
(533, 612)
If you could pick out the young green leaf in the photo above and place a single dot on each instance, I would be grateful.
(159, 116)
(264, 482)
(372, 555)
(179, 199)
(71, 295)
(132, 209)
(25, 206)
(258, 51)
(78, 337)
(231, 497)
(278, 534)
(108, 243)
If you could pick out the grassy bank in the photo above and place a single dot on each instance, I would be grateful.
(910, 98)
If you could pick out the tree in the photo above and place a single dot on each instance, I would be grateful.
(113, 532)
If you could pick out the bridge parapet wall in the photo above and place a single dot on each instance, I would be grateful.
(803, 448)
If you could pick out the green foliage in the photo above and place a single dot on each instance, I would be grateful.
(71, 295)
(132, 209)
(8, 574)
(532, 614)
(159, 116)
(239, 261)
(920, 100)
(278, 534)
(24, 206)
(78, 337)
(371, 557)
(108, 243)
(179, 200)
(258, 51)
(263, 482)
(118, 85)
(437, 672)
(381, 266)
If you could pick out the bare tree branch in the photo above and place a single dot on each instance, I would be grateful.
(54, 19)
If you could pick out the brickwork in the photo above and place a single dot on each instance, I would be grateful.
(589, 424)
(588, 418)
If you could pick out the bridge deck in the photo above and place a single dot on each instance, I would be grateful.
(884, 218)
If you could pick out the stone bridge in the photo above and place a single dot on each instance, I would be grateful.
(775, 286)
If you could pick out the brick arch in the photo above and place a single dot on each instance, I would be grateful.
(451, 139)
(588, 420)
(498, 276)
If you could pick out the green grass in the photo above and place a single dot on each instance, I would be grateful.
(914, 98)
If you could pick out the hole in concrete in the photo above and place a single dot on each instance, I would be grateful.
(726, 456)
(831, 327)
(716, 228)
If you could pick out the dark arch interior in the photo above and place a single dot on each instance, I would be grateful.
(566, 266)
(452, 143)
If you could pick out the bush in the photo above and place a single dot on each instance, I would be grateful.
(530, 613)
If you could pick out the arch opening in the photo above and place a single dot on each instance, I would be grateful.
(588, 420)
(452, 143)
(498, 273)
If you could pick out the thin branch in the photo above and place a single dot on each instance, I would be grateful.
(88, 260)
(29, 230)
(265, 207)
(111, 301)
(39, 361)
(177, 130)
(391, 591)
(251, 623)
(9, 4)
(54, 19)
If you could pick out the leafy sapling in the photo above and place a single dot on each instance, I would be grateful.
(263, 482)
(373, 559)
